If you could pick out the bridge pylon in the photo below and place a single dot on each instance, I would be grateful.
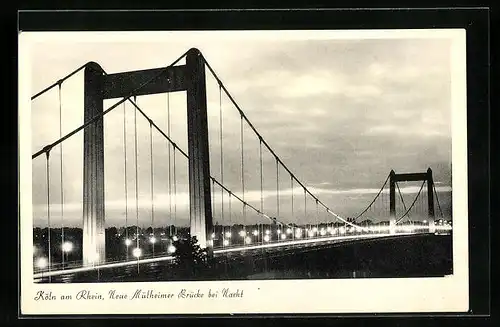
(98, 87)
(409, 177)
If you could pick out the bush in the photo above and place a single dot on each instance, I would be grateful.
(191, 260)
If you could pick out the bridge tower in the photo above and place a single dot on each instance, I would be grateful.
(99, 86)
(427, 176)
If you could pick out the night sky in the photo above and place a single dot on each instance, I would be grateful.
(340, 113)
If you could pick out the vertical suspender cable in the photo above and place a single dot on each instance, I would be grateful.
(175, 194)
(125, 173)
(62, 180)
(48, 208)
(277, 190)
(136, 178)
(261, 177)
(169, 167)
(317, 216)
(152, 184)
(242, 172)
(221, 162)
(305, 205)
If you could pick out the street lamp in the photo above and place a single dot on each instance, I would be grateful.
(137, 252)
(171, 249)
(42, 263)
(66, 248)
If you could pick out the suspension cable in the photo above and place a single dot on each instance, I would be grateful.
(59, 82)
(401, 197)
(291, 185)
(246, 204)
(136, 177)
(102, 114)
(374, 199)
(242, 114)
(437, 200)
(413, 203)
(62, 179)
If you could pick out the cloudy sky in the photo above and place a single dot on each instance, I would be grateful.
(340, 113)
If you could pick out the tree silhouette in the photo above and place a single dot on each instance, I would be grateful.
(191, 259)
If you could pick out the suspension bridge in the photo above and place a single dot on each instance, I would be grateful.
(245, 220)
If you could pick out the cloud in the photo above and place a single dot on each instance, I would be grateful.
(340, 113)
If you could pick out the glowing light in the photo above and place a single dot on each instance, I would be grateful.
(315, 229)
(171, 249)
(213, 235)
(283, 236)
(67, 246)
(298, 233)
(425, 221)
(328, 229)
(289, 231)
(332, 232)
(228, 234)
(128, 242)
(226, 242)
(243, 233)
(175, 238)
(255, 232)
(342, 230)
(310, 233)
(42, 263)
(268, 231)
(152, 240)
(137, 252)
(322, 232)
(278, 231)
(248, 240)
(266, 238)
